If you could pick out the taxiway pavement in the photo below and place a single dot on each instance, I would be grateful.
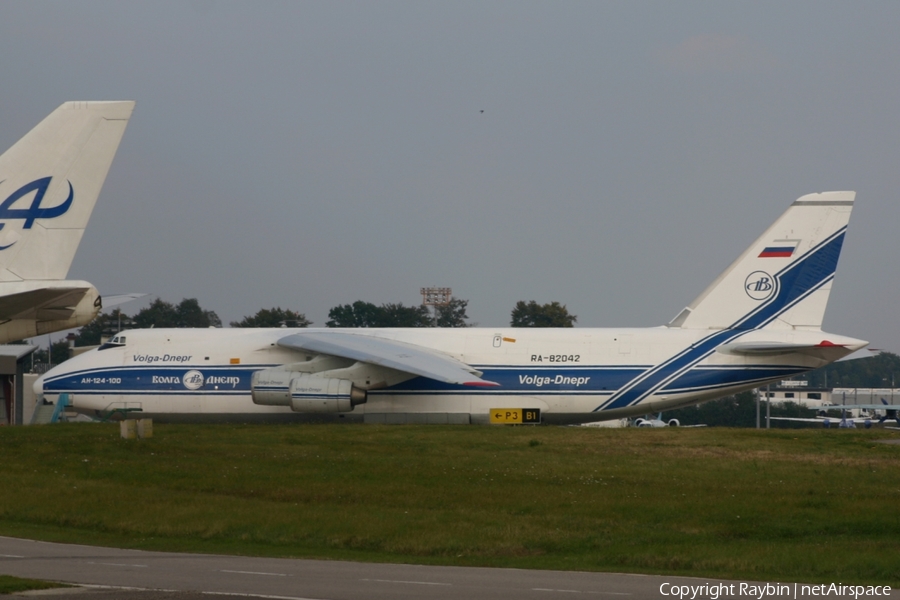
(117, 574)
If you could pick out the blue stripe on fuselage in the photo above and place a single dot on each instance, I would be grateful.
(585, 380)
(700, 378)
(115, 380)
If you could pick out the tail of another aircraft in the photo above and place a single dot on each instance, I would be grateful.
(782, 281)
(49, 183)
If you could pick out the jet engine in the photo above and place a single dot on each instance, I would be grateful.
(305, 392)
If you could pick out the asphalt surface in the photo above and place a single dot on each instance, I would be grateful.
(115, 574)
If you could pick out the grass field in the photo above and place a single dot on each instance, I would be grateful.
(12, 585)
(807, 505)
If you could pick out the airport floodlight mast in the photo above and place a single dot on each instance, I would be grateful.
(436, 296)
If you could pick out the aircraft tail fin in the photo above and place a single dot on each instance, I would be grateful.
(783, 280)
(49, 183)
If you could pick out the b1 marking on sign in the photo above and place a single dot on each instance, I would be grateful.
(515, 415)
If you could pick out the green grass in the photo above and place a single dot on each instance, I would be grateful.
(770, 506)
(11, 585)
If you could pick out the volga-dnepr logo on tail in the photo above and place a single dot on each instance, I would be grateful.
(759, 285)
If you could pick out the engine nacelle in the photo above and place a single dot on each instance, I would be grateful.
(304, 392)
(271, 387)
(674, 423)
(311, 394)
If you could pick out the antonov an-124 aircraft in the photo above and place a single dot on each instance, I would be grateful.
(759, 322)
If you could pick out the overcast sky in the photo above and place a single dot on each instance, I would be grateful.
(305, 155)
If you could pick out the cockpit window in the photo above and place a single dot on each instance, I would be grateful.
(117, 341)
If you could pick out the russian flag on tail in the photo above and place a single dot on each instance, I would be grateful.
(780, 249)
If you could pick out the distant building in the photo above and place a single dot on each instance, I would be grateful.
(799, 393)
(792, 391)
(14, 360)
(865, 395)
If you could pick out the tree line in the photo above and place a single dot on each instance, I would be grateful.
(188, 313)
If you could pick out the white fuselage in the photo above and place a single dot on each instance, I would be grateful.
(569, 375)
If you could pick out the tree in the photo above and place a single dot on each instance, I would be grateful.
(731, 411)
(359, 314)
(452, 314)
(191, 315)
(59, 352)
(188, 313)
(533, 314)
(106, 324)
(879, 371)
(739, 411)
(159, 314)
(274, 317)
(397, 315)
(366, 314)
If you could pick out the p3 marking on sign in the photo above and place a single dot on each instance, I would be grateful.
(515, 415)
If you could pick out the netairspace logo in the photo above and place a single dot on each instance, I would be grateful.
(714, 591)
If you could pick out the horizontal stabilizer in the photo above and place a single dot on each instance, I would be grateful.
(827, 350)
(401, 356)
(861, 353)
(772, 348)
(44, 304)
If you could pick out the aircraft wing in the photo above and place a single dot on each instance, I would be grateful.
(44, 304)
(865, 406)
(401, 356)
(806, 420)
(110, 301)
(836, 421)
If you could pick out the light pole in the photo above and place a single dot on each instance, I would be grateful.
(758, 392)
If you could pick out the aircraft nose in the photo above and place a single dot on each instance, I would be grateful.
(38, 387)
